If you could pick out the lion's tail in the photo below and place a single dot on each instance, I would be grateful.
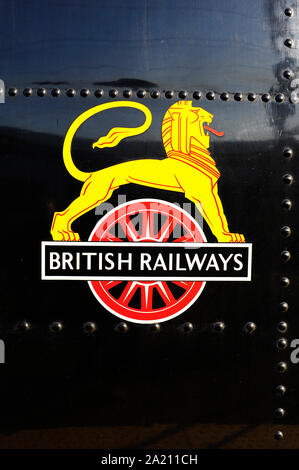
(110, 140)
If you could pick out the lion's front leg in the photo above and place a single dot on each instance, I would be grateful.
(209, 204)
(225, 235)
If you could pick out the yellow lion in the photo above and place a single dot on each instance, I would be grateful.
(188, 167)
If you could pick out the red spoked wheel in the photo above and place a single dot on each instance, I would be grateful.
(147, 220)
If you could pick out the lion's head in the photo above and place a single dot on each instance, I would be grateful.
(182, 123)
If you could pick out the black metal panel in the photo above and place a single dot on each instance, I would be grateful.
(158, 43)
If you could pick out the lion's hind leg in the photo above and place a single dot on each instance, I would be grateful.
(95, 190)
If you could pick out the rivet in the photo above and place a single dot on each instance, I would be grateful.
(280, 390)
(284, 282)
(282, 327)
(288, 42)
(288, 152)
(279, 412)
(84, 92)
(224, 96)
(13, 91)
(27, 92)
(210, 95)
(288, 11)
(56, 327)
(99, 93)
(155, 327)
(89, 327)
(286, 204)
(287, 179)
(141, 93)
(285, 231)
(197, 95)
(122, 327)
(169, 94)
(278, 435)
(55, 92)
(183, 94)
(71, 92)
(127, 93)
(266, 97)
(288, 74)
(283, 306)
(250, 327)
(218, 326)
(24, 325)
(282, 367)
(251, 96)
(281, 343)
(188, 327)
(285, 255)
(41, 92)
(279, 98)
(155, 94)
(113, 93)
(238, 96)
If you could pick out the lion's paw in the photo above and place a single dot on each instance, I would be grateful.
(60, 229)
(73, 236)
(227, 237)
(65, 236)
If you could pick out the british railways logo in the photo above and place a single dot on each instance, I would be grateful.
(148, 260)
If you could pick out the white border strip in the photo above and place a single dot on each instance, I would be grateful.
(189, 245)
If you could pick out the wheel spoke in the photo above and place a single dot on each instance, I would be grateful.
(183, 284)
(128, 292)
(188, 237)
(148, 225)
(129, 228)
(146, 297)
(109, 284)
(165, 292)
(165, 230)
(109, 237)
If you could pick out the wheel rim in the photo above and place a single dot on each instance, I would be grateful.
(147, 220)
